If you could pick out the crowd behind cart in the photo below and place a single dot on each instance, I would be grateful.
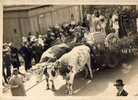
(120, 21)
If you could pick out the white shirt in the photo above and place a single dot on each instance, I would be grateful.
(115, 23)
(95, 24)
(40, 41)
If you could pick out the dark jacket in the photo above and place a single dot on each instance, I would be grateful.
(6, 60)
(123, 93)
(14, 57)
(26, 53)
(125, 23)
(27, 56)
(37, 52)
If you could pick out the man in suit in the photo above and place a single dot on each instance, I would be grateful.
(14, 56)
(27, 55)
(119, 85)
(6, 70)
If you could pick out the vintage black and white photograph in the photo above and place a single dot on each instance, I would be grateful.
(70, 50)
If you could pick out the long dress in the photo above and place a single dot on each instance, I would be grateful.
(115, 23)
(95, 24)
(17, 86)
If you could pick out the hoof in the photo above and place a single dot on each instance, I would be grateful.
(47, 88)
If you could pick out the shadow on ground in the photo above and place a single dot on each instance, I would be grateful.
(101, 80)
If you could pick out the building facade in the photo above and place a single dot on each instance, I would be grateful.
(19, 22)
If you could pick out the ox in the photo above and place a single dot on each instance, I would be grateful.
(54, 52)
(69, 65)
(50, 55)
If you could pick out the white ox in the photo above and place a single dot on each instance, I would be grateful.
(70, 64)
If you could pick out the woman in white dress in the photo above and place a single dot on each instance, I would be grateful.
(114, 22)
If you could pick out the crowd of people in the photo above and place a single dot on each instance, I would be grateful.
(33, 46)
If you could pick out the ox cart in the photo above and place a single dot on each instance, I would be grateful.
(111, 51)
(105, 51)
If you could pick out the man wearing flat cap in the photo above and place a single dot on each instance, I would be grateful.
(119, 85)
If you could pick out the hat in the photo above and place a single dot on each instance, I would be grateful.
(10, 44)
(5, 44)
(39, 35)
(15, 69)
(119, 82)
(66, 25)
(57, 26)
(73, 23)
(5, 50)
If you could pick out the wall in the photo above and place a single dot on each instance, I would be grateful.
(15, 25)
(44, 17)
(20, 23)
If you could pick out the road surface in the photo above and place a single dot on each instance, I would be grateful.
(101, 85)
